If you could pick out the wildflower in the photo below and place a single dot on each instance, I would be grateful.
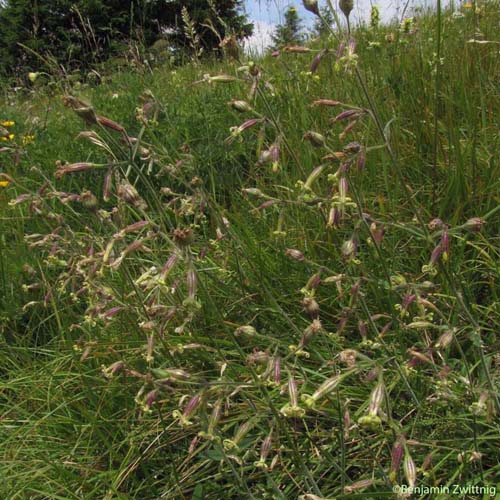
(113, 369)
(349, 248)
(324, 389)
(292, 409)
(372, 420)
(396, 458)
(264, 452)
(4, 184)
(270, 155)
(7, 123)
(149, 400)
(33, 77)
(232, 444)
(212, 422)
(7, 137)
(236, 131)
(188, 411)
(27, 139)
(479, 408)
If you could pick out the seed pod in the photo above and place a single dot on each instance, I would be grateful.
(106, 190)
(296, 49)
(349, 113)
(436, 253)
(240, 105)
(317, 60)
(436, 224)
(315, 139)
(72, 168)
(106, 122)
(343, 187)
(358, 485)
(150, 398)
(361, 161)
(294, 254)
(277, 371)
(333, 217)
(313, 176)
(247, 330)
(311, 307)
(88, 200)
(475, 224)
(311, 6)
(396, 457)
(346, 7)
(445, 340)
(129, 194)
(222, 79)
(191, 406)
(326, 102)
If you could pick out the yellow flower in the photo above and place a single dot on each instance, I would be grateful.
(7, 123)
(467, 6)
(4, 184)
(27, 139)
(9, 137)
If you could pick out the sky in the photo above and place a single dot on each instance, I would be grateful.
(266, 14)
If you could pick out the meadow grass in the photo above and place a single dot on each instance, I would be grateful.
(291, 296)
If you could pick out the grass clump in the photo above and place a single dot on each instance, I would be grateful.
(273, 280)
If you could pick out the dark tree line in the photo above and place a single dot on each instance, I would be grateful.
(77, 33)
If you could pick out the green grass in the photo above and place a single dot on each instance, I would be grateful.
(91, 327)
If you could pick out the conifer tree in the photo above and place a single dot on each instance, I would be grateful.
(76, 33)
(290, 32)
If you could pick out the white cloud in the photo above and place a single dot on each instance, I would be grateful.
(261, 38)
